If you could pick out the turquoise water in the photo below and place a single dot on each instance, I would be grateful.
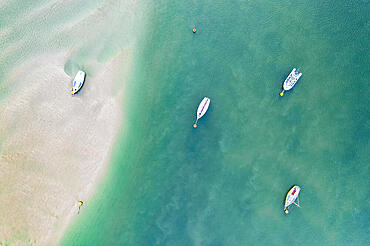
(224, 183)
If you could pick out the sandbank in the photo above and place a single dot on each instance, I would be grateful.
(55, 146)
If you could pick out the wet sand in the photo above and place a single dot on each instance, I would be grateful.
(54, 145)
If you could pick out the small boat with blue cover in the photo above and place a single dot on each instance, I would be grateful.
(290, 81)
(78, 82)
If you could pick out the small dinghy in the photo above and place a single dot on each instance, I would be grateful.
(290, 81)
(78, 82)
(202, 109)
(291, 197)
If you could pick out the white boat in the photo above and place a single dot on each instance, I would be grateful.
(78, 82)
(291, 197)
(290, 81)
(202, 109)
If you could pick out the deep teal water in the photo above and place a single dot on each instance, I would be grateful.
(224, 183)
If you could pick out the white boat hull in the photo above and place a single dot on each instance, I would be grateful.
(203, 107)
(291, 80)
(291, 196)
(78, 82)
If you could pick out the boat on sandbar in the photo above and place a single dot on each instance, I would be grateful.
(202, 109)
(290, 81)
(290, 198)
(78, 82)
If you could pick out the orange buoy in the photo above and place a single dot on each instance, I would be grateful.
(195, 125)
(194, 30)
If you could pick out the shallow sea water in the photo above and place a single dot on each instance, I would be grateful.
(224, 183)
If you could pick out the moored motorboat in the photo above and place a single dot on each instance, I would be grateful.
(290, 198)
(78, 82)
(290, 81)
(202, 109)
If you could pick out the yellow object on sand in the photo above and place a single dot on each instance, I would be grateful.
(72, 92)
(80, 203)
